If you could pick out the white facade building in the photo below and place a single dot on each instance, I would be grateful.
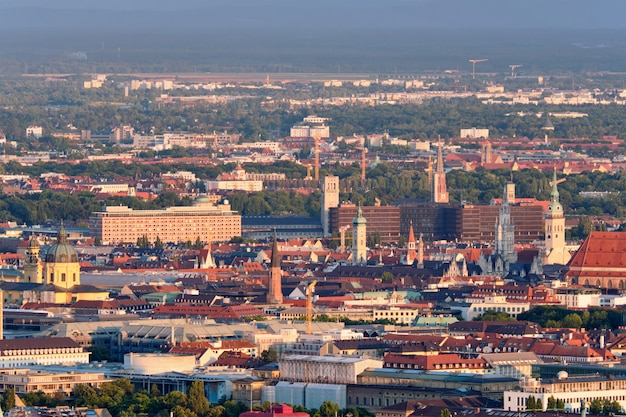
(325, 369)
(20, 353)
(572, 390)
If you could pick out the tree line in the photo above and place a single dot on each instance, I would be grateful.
(122, 399)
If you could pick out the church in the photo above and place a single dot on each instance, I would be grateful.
(54, 279)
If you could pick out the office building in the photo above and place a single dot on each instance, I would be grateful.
(204, 220)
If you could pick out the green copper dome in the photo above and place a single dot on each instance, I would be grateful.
(61, 251)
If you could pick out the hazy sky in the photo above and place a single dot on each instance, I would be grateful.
(362, 14)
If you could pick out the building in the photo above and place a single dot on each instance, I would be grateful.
(359, 239)
(61, 267)
(236, 180)
(444, 362)
(505, 228)
(382, 221)
(431, 220)
(573, 391)
(387, 386)
(275, 410)
(476, 222)
(474, 133)
(24, 380)
(34, 132)
(330, 199)
(439, 188)
(275, 291)
(513, 364)
(323, 369)
(306, 131)
(20, 353)
(204, 220)
(555, 250)
(286, 227)
(599, 262)
(493, 302)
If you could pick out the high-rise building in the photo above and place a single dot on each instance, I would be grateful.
(505, 228)
(383, 222)
(330, 199)
(275, 291)
(439, 189)
(554, 223)
(359, 239)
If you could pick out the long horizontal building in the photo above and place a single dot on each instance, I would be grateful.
(204, 220)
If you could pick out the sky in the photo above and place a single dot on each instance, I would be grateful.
(324, 14)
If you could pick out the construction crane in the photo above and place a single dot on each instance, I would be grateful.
(309, 307)
(513, 67)
(474, 62)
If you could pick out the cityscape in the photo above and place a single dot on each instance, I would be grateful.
(312, 210)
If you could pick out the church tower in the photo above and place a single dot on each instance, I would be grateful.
(555, 250)
(439, 189)
(275, 291)
(505, 229)
(33, 268)
(330, 199)
(359, 239)
(420, 252)
(61, 268)
(410, 246)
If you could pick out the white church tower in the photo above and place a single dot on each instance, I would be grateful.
(359, 239)
(555, 249)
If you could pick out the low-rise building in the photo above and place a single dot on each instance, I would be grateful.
(573, 391)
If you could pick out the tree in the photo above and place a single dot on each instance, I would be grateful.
(329, 409)
(154, 391)
(8, 399)
(551, 403)
(142, 242)
(595, 407)
(538, 404)
(531, 403)
(386, 276)
(572, 321)
(197, 401)
(158, 244)
(493, 315)
(445, 413)
(270, 355)
(560, 404)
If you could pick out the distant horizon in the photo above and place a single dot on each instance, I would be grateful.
(397, 36)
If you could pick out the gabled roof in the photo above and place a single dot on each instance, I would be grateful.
(600, 250)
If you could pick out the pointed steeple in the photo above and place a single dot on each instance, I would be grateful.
(275, 294)
(410, 245)
(439, 188)
(554, 194)
(439, 156)
(275, 261)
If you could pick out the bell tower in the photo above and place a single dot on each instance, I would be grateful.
(33, 268)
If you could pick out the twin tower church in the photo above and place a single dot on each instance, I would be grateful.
(56, 279)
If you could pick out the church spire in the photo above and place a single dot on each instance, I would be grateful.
(554, 194)
(275, 292)
(440, 191)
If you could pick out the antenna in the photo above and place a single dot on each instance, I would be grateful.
(474, 62)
